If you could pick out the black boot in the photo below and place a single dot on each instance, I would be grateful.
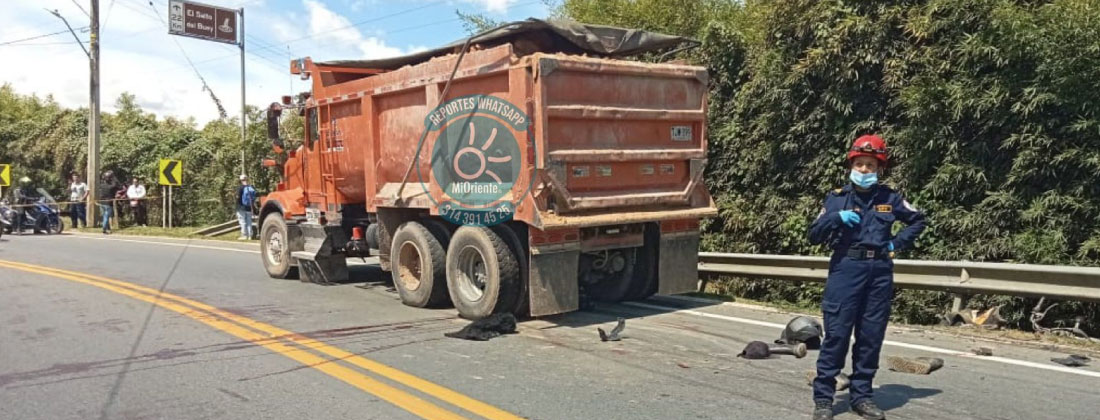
(823, 410)
(868, 410)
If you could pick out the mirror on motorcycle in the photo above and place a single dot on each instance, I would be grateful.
(273, 113)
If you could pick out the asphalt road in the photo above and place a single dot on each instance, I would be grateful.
(129, 328)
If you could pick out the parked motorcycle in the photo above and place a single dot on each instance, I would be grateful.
(7, 217)
(44, 215)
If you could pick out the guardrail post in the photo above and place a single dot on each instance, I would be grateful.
(958, 302)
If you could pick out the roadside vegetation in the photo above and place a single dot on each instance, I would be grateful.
(989, 108)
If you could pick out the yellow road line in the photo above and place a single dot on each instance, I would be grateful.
(442, 393)
(210, 316)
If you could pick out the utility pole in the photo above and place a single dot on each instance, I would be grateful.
(93, 102)
(244, 115)
(93, 119)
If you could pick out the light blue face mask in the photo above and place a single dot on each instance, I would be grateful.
(863, 180)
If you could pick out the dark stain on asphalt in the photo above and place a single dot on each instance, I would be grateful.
(17, 320)
(56, 370)
(166, 354)
(256, 311)
(234, 395)
(115, 325)
(67, 369)
(38, 334)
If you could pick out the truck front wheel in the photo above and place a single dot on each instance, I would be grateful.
(482, 273)
(275, 247)
(418, 272)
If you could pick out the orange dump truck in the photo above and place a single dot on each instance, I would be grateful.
(526, 170)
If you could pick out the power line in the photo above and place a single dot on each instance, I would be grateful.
(39, 44)
(108, 17)
(399, 30)
(139, 8)
(14, 41)
(78, 6)
(360, 23)
(205, 86)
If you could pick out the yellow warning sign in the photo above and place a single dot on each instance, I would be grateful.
(5, 175)
(171, 172)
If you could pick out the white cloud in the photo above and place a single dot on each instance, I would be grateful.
(494, 6)
(334, 28)
(137, 56)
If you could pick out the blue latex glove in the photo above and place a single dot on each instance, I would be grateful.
(849, 217)
(890, 246)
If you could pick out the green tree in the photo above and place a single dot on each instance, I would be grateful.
(989, 108)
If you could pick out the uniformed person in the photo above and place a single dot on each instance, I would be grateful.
(856, 222)
(24, 196)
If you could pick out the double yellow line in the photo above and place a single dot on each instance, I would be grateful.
(301, 349)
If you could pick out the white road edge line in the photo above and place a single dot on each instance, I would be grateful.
(920, 347)
(218, 248)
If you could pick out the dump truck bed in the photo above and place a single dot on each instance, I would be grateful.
(605, 136)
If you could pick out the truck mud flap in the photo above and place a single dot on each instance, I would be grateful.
(553, 287)
(678, 268)
(319, 262)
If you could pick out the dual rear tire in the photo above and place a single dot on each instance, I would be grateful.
(476, 267)
(419, 273)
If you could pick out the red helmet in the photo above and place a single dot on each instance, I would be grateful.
(868, 145)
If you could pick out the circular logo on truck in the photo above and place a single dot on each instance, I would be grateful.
(477, 159)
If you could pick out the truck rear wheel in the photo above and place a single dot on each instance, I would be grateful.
(511, 238)
(275, 247)
(482, 273)
(419, 272)
(372, 236)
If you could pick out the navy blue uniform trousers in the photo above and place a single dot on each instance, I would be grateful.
(857, 298)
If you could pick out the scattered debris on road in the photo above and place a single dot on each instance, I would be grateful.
(1038, 313)
(915, 365)
(982, 351)
(989, 319)
(842, 380)
(761, 350)
(683, 365)
(614, 335)
(483, 329)
(802, 329)
(1074, 360)
(756, 350)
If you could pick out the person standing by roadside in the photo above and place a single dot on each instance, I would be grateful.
(855, 222)
(136, 194)
(246, 195)
(78, 196)
(108, 188)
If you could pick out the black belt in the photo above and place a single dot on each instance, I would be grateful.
(867, 253)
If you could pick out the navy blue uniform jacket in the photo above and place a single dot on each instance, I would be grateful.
(878, 209)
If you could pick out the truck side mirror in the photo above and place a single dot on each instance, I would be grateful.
(273, 113)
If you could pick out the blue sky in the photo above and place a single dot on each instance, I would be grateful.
(138, 55)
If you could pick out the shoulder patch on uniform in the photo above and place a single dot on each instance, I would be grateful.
(838, 190)
(884, 208)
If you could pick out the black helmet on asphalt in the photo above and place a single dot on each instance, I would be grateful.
(802, 329)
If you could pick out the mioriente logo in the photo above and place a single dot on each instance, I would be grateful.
(477, 160)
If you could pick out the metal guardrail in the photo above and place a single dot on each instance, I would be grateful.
(961, 277)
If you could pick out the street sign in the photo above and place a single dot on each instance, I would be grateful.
(171, 172)
(203, 21)
(5, 175)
